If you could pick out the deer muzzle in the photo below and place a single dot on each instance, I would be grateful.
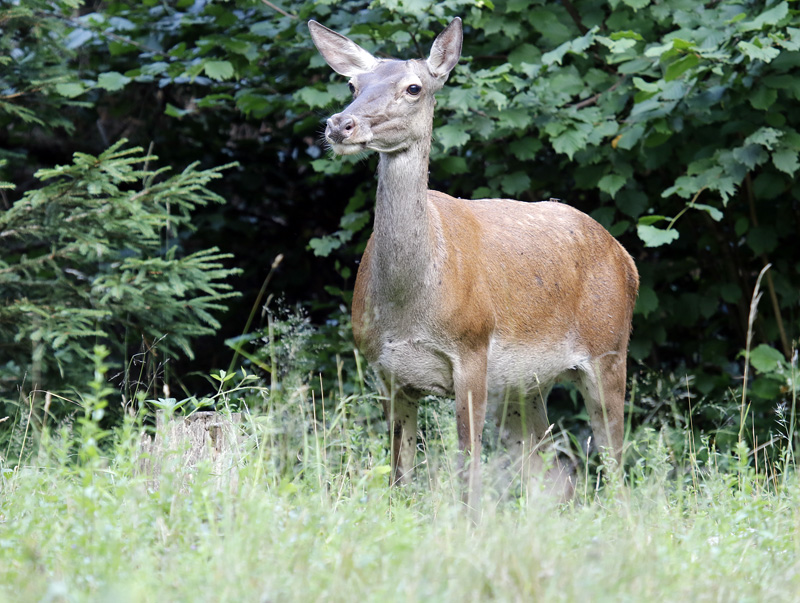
(340, 128)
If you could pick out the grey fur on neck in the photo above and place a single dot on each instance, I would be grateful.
(402, 252)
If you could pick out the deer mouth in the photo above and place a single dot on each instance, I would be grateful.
(347, 148)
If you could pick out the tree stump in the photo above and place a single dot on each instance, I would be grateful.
(182, 444)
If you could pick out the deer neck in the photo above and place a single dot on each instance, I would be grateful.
(402, 236)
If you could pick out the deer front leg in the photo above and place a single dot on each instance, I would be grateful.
(401, 415)
(471, 393)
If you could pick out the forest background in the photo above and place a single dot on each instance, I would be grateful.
(157, 157)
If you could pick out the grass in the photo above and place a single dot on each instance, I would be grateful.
(307, 516)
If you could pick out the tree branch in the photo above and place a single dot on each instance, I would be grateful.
(593, 99)
(278, 9)
(773, 296)
(573, 12)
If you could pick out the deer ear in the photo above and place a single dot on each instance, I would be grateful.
(446, 49)
(341, 53)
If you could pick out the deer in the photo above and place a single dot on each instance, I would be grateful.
(489, 301)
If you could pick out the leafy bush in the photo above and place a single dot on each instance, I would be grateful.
(670, 122)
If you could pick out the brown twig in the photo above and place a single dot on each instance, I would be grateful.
(410, 31)
(732, 266)
(573, 12)
(279, 9)
(21, 93)
(776, 308)
(593, 99)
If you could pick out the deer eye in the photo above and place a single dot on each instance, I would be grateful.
(414, 90)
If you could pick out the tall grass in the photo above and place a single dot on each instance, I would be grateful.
(305, 514)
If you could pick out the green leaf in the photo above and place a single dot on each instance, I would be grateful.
(517, 119)
(631, 202)
(453, 165)
(730, 292)
(451, 136)
(526, 148)
(611, 183)
(750, 155)
(569, 142)
(324, 246)
(656, 51)
(568, 81)
(461, 98)
(253, 104)
(515, 183)
(645, 86)
(784, 81)
(576, 46)
(786, 160)
(636, 4)
(70, 90)
(619, 228)
(715, 214)
(524, 53)
(767, 388)
(314, 97)
(763, 98)
(497, 98)
(652, 219)
(618, 35)
(218, 70)
(758, 53)
(174, 111)
(766, 137)
(617, 46)
(655, 237)
(647, 302)
(762, 239)
(741, 225)
(679, 67)
(770, 16)
(112, 81)
(628, 139)
(766, 359)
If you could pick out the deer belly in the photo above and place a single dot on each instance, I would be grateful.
(415, 368)
(531, 366)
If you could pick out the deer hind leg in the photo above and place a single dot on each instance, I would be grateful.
(524, 434)
(401, 416)
(602, 383)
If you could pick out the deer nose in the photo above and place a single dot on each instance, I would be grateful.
(340, 127)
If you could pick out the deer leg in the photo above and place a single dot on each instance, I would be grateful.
(522, 422)
(401, 415)
(471, 394)
(603, 387)
(524, 434)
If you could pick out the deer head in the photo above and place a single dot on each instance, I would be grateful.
(393, 100)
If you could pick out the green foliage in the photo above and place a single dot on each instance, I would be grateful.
(776, 377)
(668, 122)
(672, 123)
(94, 254)
(37, 85)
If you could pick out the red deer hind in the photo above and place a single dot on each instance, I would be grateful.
(491, 301)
